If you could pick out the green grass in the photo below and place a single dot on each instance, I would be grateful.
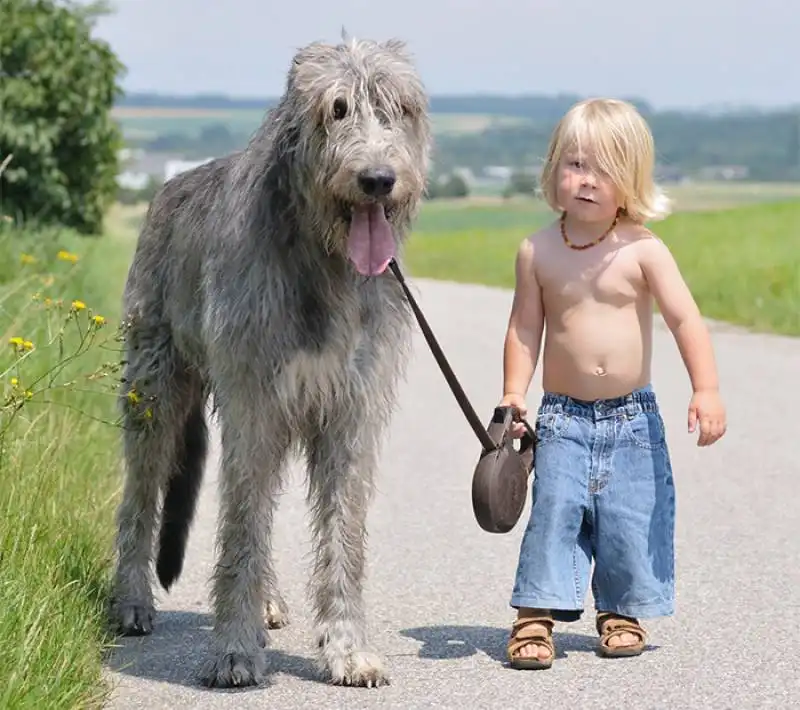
(741, 263)
(58, 470)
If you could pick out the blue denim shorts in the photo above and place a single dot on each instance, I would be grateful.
(602, 491)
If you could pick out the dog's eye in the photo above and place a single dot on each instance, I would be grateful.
(339, 109)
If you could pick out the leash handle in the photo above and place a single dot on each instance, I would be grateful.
(505, 415)
(483, 435)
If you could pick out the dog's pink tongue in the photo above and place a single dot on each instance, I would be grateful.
(370, 245)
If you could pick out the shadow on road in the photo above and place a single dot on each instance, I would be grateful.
(450, 642)
(175, 650)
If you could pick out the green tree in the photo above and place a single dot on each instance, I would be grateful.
(452, 185)
(58, 85)
(521, 182)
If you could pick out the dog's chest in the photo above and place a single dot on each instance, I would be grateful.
(323, 319)
(332, 349)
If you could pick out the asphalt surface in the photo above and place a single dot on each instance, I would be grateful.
(438, 586)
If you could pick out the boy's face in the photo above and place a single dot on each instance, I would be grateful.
(584, 191)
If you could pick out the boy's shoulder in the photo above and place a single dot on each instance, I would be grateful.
(646, 243)
(539, 240)
(636, 233)
(532, 250)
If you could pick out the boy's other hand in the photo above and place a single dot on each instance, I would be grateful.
(707, 410)
(518, 401)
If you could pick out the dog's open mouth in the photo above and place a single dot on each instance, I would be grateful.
(370, 239)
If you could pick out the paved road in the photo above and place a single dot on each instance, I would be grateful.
(438, 586)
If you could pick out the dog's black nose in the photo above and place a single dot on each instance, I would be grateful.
(377, 181)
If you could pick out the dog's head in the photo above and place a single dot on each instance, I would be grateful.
(360, 134)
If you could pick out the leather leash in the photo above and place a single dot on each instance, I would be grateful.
(469, 412)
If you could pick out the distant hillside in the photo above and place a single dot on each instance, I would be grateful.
(537, 108)
(201, 101)
(533, 107)
(475, 131)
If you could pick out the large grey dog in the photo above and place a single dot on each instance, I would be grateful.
(260, 279)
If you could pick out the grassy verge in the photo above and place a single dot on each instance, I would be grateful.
(59, 463)
(742, 264)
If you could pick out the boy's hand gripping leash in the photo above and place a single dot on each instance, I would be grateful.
(500, 480)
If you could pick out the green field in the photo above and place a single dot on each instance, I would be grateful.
(739, 250)
(149, 122)
(737, 243)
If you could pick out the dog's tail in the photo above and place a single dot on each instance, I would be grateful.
(180, 500)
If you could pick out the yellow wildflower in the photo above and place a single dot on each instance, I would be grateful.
(20, 344)
(133, 397)
(14, 381)
(99, 320)
(78, 305)
(28, 394)
(27, 259)
(67, 256)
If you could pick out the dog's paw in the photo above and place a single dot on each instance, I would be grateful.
(234, 670)
(133, 619)
(277, 613)
(356, 668)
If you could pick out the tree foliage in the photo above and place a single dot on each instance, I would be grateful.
(58, 85)
(453, 185)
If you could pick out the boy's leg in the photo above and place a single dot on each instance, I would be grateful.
(555, 554)
(634, 510)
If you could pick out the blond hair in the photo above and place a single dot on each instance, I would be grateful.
(622, 145)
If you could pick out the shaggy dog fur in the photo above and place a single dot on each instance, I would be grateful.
(260, 280)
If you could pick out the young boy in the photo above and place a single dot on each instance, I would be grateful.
(603, 485)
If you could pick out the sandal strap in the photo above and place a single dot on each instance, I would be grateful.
(523, 633)
(609, 625)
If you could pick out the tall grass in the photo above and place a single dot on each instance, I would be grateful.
(58, 464)
(742, 264)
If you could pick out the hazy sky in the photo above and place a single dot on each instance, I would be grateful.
(672, 53)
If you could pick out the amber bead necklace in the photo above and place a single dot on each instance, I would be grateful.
(594, 242)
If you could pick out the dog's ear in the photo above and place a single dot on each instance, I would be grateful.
(397, 46)
(309, 62)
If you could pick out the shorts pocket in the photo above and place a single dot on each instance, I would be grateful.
(646, 429)
(551, 426)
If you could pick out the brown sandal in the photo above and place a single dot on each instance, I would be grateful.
(522, 634)
(609, 625)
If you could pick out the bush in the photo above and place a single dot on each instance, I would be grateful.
(58, 87)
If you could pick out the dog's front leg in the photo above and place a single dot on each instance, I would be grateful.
(253, 455)
(342, 460)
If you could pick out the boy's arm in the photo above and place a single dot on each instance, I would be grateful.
(685, 321)
(525, 326)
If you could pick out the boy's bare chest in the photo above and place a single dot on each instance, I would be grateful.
(613, 279)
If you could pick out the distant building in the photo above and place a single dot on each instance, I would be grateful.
(130, 180)
(724, 172)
